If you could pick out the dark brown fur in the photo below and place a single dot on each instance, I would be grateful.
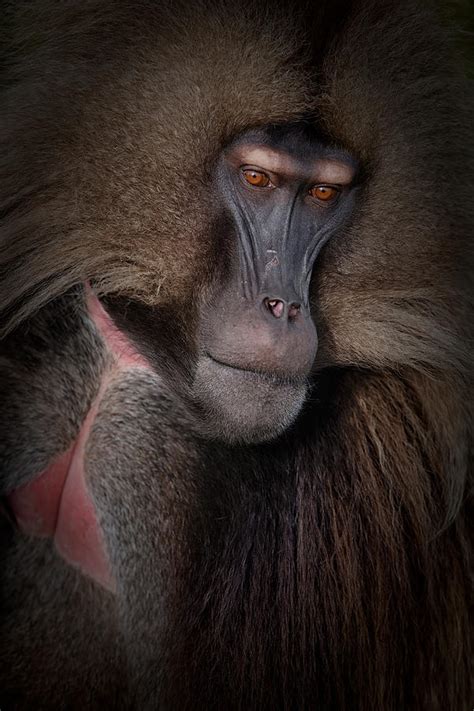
(331, 569)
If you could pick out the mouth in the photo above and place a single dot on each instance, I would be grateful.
(276, 379)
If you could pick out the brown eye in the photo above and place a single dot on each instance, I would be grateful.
(325, 193)
(256, 178)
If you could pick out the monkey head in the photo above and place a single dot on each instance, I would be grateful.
(280, 194)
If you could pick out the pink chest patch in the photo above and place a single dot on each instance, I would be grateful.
(57, 503)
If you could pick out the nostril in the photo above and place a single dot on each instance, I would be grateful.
(279, 308)
(293, 310)
(275, 306)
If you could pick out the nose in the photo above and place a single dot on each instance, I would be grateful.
(281, 309)
(276, 334)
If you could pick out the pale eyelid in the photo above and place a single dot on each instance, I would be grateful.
(268, 160)
(321, 171)
(333, 172)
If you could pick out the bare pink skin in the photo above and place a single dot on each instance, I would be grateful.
(57, 503)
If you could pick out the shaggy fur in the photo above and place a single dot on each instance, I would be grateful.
(332, 568)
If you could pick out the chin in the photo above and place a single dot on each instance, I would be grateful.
(240, 405)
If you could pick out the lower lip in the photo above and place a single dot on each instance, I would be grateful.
(273, 378)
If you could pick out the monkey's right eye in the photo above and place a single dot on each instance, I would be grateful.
(256, 178)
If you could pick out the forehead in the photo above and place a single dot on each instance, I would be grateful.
(293, 148)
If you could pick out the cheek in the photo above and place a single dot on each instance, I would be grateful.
(184, 264)
(161, 249)
(337, 306)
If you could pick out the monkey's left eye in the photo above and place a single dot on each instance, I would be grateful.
(256, 178)
(324, 193)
